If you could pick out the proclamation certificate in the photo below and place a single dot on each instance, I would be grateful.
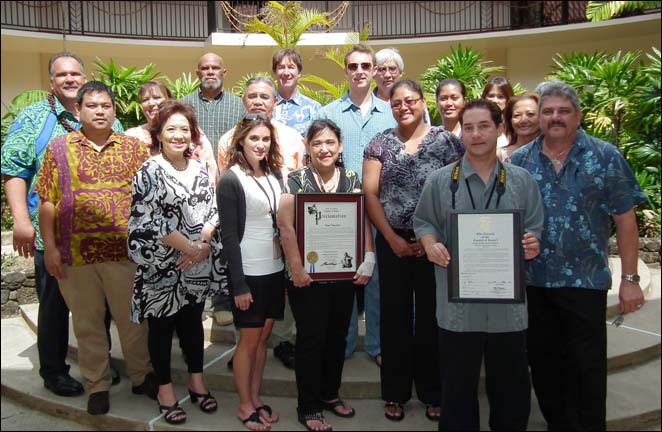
(486, 257)
(330, 234)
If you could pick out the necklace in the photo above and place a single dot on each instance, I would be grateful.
(329, 186)
(167, 159)
(63, 121)
(556, 161)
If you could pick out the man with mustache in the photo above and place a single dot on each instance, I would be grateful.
(217, 111)
(84, 188)
(586, 184)
(22, 157)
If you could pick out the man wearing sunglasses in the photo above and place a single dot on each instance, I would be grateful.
(360, 116)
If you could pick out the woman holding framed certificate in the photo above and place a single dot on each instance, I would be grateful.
(322, 309)
(395, 166)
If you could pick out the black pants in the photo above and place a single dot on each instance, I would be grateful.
(188, 323)
(321, 312)
(506, 380)
(52, 322)
(409, 346)
(567, 345)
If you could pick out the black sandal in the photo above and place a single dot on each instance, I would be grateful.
(208, 403)
(395, 417)
(170, 413)
(318, 416)
(266, 408)
(331, 406)
(255, 418)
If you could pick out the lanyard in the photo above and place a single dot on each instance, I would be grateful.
(272, 210)
(499, 184)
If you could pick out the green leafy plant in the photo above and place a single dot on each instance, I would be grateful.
(182, 85)
(605, 10)
(464, 64)
(287, 22)
(125, 83)
(620, 99)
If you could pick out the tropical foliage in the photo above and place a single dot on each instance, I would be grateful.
(125, 83)
(463, 64)
(620, 99)
(182, 85)
(286, 22)
(606, 10)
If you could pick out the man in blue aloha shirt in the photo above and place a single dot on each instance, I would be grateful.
(585, 184)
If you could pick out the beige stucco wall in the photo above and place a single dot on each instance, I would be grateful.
(527, 54)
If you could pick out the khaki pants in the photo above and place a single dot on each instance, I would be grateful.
(86, 290)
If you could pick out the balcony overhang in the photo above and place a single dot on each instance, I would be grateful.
(260, 39)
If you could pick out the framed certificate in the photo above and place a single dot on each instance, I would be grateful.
(330, 234)
(486, 257)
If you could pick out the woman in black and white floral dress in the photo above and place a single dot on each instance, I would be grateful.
(172, 223)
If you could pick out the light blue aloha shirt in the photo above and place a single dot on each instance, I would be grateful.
(357, 130)
(25, 146)
(297, 112)
(594, 184)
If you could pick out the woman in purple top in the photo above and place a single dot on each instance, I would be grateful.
(396, 164)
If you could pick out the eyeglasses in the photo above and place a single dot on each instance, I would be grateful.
(393, 70)
(407, 102)
(355, 66)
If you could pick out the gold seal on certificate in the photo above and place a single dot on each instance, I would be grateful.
(330, 234)
(487, 264)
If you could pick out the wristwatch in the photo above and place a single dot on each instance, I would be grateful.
(634, 278)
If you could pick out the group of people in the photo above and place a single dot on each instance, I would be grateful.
(199, 202)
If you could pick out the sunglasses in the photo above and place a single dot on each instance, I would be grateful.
(253, 117)
(353, 67)
(407, 102)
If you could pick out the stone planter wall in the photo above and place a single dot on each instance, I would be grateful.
(649, 249)
(18, 288)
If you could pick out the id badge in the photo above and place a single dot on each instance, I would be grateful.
(277, 251)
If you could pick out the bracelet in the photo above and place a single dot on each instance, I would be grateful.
(199, 245)
(190, 244)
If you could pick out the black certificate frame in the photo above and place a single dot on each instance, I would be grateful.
(518, 259)
(301, 202)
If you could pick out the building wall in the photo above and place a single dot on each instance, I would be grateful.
(526, 54)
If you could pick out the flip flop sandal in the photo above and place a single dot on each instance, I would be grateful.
(254, 418)
(331, 406)
(268, 410)
(318, 416)
(394, 417)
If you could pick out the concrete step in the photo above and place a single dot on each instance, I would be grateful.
(633, 400)
(635, 342)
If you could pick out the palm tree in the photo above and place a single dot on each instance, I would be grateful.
(605, 10)
(287, 22)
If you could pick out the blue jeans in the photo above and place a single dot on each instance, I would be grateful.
(372, 340)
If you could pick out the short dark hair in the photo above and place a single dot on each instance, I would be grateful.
(290, 53)
(450, 81)
(410, 84)
(94, 87)
(168, 109)
(63, 55)
(318, 126)
(484, 104)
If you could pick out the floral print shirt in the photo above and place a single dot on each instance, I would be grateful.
(403, 174)
(594, 184)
